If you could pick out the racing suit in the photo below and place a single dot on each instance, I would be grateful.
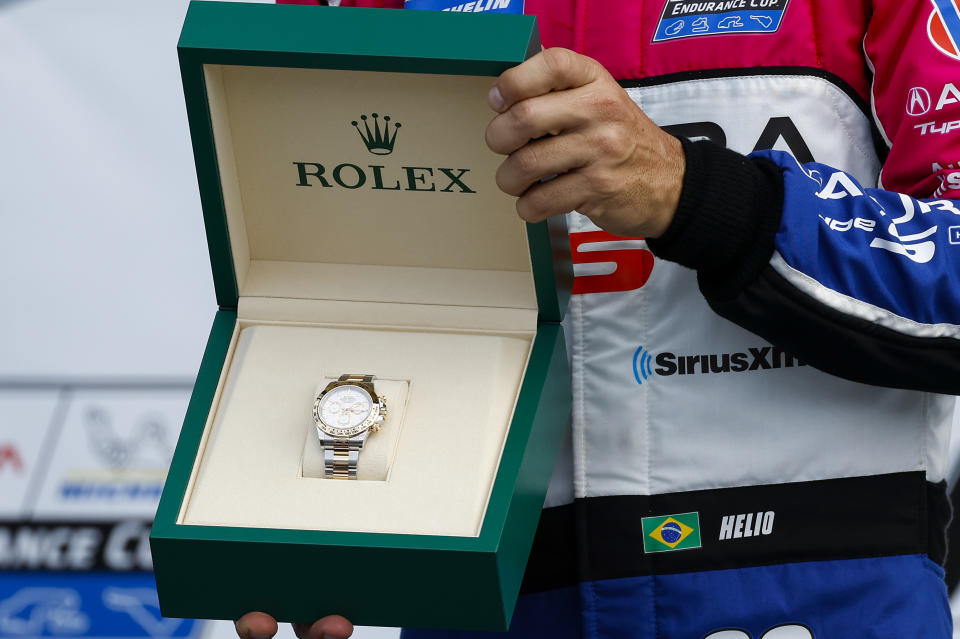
(758, 438)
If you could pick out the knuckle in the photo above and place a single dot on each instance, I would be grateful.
(559, 61)
(524, 114)
(607, 105)
(526, 160)
(603, 184)
(607, 140)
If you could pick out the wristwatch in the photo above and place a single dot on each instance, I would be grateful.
(345, 412)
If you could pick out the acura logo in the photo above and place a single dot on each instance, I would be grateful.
(918, 101)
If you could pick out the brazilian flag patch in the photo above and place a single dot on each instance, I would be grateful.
(671, 532)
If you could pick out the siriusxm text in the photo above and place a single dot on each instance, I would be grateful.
(762, 358)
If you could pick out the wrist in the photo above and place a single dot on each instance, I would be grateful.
(726, 217)
(673, 170)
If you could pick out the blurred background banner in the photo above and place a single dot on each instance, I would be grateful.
(106, 301)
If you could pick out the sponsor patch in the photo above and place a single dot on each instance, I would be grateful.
(665, 364)
(671, 532)
(918, 102)
(477, 6)
(943, 27)
(686, 19)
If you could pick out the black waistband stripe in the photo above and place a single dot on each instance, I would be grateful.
(635, 535)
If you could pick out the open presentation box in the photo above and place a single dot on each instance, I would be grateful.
(355, 226)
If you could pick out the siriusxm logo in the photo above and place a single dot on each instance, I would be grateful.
(668, 364)
(641, 365)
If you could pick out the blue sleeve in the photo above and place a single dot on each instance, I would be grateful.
(874, 254)
(861, 283)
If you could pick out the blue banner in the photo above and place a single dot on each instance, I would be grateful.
(478, 6)
(101, 605)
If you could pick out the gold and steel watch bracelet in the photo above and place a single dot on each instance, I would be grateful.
(341, 455)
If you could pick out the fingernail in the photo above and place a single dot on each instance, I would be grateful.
(495, 99)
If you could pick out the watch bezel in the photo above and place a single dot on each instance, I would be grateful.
(377, 413)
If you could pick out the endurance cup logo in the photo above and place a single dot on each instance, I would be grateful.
(381, 141)
(685, 19)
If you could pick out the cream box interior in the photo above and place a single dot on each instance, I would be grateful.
(363, 244)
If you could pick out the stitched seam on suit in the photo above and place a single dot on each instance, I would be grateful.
(816, 33)
(580, 26)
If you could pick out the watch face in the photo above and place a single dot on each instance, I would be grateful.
(343, 410)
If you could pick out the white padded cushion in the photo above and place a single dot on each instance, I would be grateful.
(462, 391)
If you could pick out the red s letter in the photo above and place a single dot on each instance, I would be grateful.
(632, 266)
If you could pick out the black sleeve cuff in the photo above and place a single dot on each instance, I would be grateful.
(726, 220)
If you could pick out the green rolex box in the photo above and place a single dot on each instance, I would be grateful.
(355, 226)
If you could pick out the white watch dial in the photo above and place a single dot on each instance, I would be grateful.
(345, 407)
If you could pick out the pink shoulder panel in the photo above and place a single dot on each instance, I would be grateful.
(913, 49)
(824, 34)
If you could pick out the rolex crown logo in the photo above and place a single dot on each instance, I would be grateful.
(379, 141)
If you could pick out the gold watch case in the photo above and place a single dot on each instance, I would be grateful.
(373, 421)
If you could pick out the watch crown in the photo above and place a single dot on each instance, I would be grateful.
(375, 428)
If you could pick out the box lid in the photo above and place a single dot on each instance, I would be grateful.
(340, 155)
